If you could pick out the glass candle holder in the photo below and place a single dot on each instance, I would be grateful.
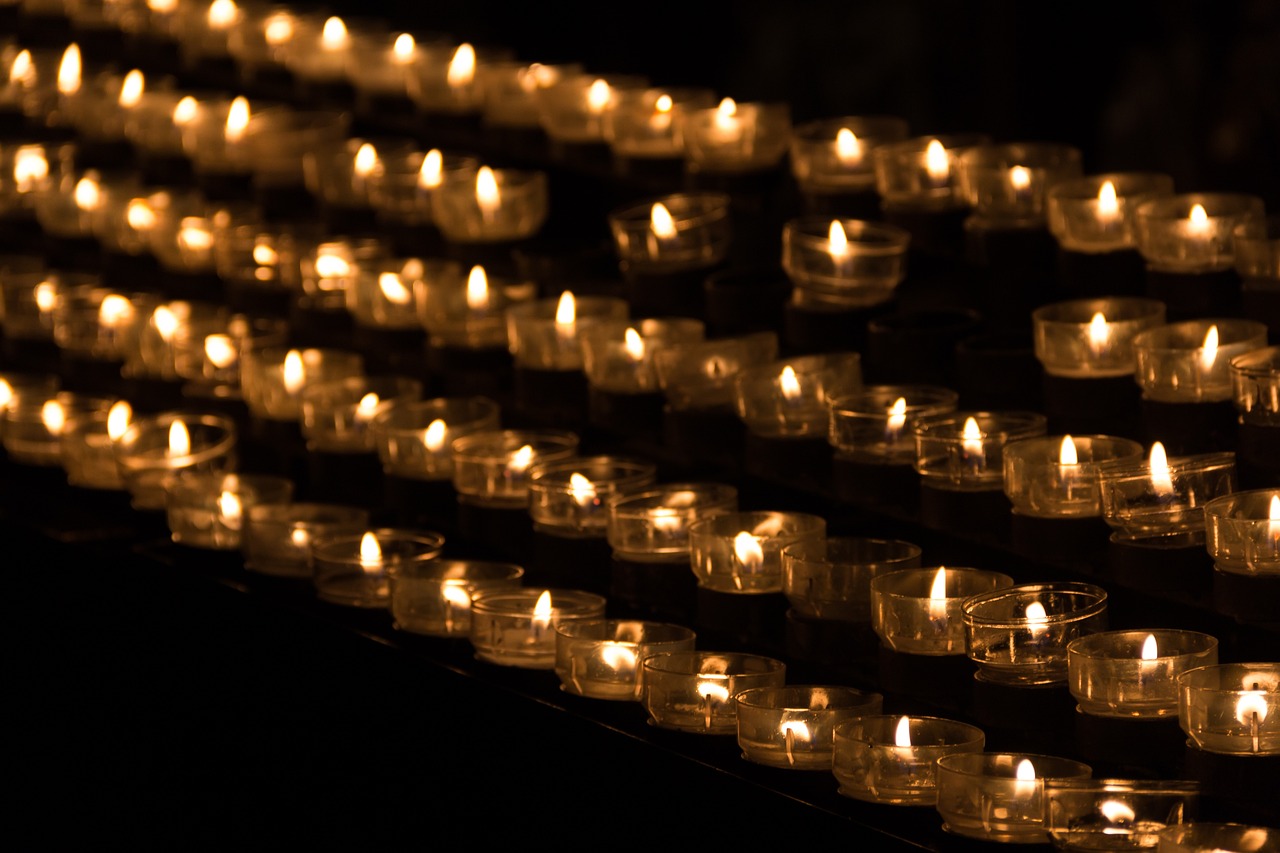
(733, 137)
(741, 552)
(382, 295)
(344, 175)
(1115, 814)
(277, 536)
(1257, 249)
(1160, 497)
(600, 659)
(492, 467)
(212, 350)
(99, 323)
(403, 193)
(652, 525)
(491, 205)
(445, 79)
(1007, 184)
(642, 123)
(1201, 837)
(1134, 673)
(918, 611)
(209, 509)
(166, 333)
(28, 298)
(1093, 338)
(572, 108)
(88, 452)
(834, 155)
(543, 334)
(275, 139)
(354, 569)
(1190, 362)
(1255, 385)
(702, 375)
(1192, 232)
(35, 423)
(894, 759)
(831, 579)
(1242, 532)
(1019, 635)
(518, 627)
(470, 311)
(570, 497)
(338, 416)
(843, 263)
(1095, 214)
(696, 691)
(1057, 476)
(876, 426)
(434, 598)
(273, 378)
(922, 173)
(415, 438)
(1232, 708)
(964, 451)
(512, 91)
(672, 232)
(999, 796)
(794, 727)
(788, 398)
(618, 356)
(151, 449)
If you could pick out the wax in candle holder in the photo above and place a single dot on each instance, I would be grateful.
(277, 536)
(831, 579)
(1019, 635)
(999, 796)
(214, 139)
(1257, 260)
(327, 271)
(338, 416)
(354, 569)
(88, 451)
(1232, 708)
(379, 64)
(600, 659)
(209, 509)
(642, 123)
(876, 425)
(1161, 497)
(570, 497)
(834, 155)
(919, 174)
(276, 137)
(1242, 532)
(491, 205)
(572, 108)
(653, 525)
(788, 398)
(672, 232)
(167, 331)
(843, 263)
(893, 759)
(701, 375)
(543, 334)
(415, 438)
(1134, 673)
(733, 137)
(518, 627)
(1057, 476)
(1095, 214)
(34, 423)
(1190, 362)
(918, 611)
(382, 295)
(153, 448)
(493, 467)
(741, 552)
(696, 691)
(1093, 338)
(468, 311)
(1192, 232)
(1115, 814)
(964, 451)
(618, 355)
(1007, 184)
(434, 597)
(273, 378)
(794, 727)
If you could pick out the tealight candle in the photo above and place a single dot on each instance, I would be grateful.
(491, 205)
(338, 416)
(1057, 476)
(214, 139)
(1201, 837)
(1007, 184)
(354, 569)
(696, 691)
(518, 627)
(275, 139)
(35, 423)
(210, 353)
(1192, 233)
(876, 426)
(1110, 814)
(1162, 497)
(642, 123)
(29, 295)
(794, 727)
(434, 598)
(1095, 214)
(834, 156)
(736, 137)
(600, 659)
(831, 579)
(964, 451)
(1134, 673)
(88, 454)
(741, 552)
(468, 312)
(1242, 532)
(1255, 384)
(788, 399)
(1190, 362)
(918, 611)
(512, 91)
(1232, 708)
(381, 296)
(1019, 635)
(209, 509)
(922, 173)
(999, 796)
(572, 108)
(277, 537)
(99, 323)
(570, 497)
(618, 356)
(449, 79)
(653, 525)
(343, 177)
(843, 263)
(415, 438)
(1093, 338)
(274, 378)
(702, 375)
(493, 467)
(379, 66)
(543, 334)
(402, 194)
(153, 448)
(1257, 261)
(893, 759)
(318, 53)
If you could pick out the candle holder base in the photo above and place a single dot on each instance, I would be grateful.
(810, 329)
(1103, 406)
(399, 352)
(997, 371)
(980, 516)
(667, 293)
(661, 591)
(1187, 428)
(464, 371)
(627, 416)
(1023, 718)
(847, 648)
(895, 488)
(1190, 296)
(1261, 301)
(1077, 542)
(495, 533)
(1258, 456)
(942, 680)
(569, 561)
(741, 622)
(916, 347)
(1130, 749)
(705, 441)
(1092, 275)
(1014, 270)
(933, 232)
(1172, 565)
(312, 325)
(550, 398)
(422, 504)
(1240, 786)
(1249, 598)
(803, 462)
(354, 479)
(739, 302)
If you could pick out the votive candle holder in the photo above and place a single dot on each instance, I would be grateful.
(35, 423)
(434, 597)
(277, 536)
(843, 263)
(916, 174)
(1162, 497)
(544, 336)
(493, 467)
(1190, 362)
(600, 659)
(1232, 708)
(338, 416)
(831, 579)
(1201, 837)
(1007, 184)
(1242, 532)
(354, 569)
(1115, 814)
(642, 123)
(741, 552)
(210, 509)
(570, 497)
(1057, 476)
(467, 311)
(1093, 338)
(572, 108)
(788, 398)
(689, 231)
(518, 627)
(1192, 232)
(1134, 674)
(702, 375)
(999, 796)
(876, 426)
(964, 451)
(652, 525)
(88, 452)
(490, 206)
(415, 438)
(793, 727)
(1088, 216)
(153, 448)
(618, 356)
(1255, 386)
(696, 691)
(273, 378)
(736, 137)
(918, 611)
(834, 155)
(894, 759)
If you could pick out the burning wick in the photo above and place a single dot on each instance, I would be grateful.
(712, 694)
(1251, 709)
(542, 613)
(897, 420)
(793, 730)
(1161, 477)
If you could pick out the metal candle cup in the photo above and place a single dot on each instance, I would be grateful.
(273, 378)
(354, 569)
(741, 552)
(907, 177)
(653, 525)
(1199, 837)
(538, 342)
(570, 497)
(1142, 501)
(834, 155)
(513, 207)
(210, 509)
(794, 727)
(153, 448)
(788, 399)
(618, 356)
(843, 263)
(1134, 673)
(893, 759)
(434, 598)
(492, 467)
(831, 579)
(518, 627)
(744, 138)
(982, 795)
(697, 235)
(1039, 483)
(1007, 184)
(600, 659)
(1192, 232)
(1242, 532)
(1115, 814)
(964, 451)
(701, 375)
(1019, 635)
(1087, 217)
(1255, 385)
(1072, 341)
(338, 416)
(871, 427)
(1190, 362)
(277, 536)
(696, 691)
(459, 315)
(415, 438)
(1232, 708)
(915, 613)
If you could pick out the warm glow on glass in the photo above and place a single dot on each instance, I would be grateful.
(432, 171)
(478, 289)
(139, 215)
(598, 96)
(661, 223)
(618, 657)
(487, 195)
(663, 104)
(902, 734)
(329, 265)
(366, 160)
(1019, 178)
(520, 460)
(456, 595)
(46, 296)
(848, 147)
(542, 610)
(393, 289)
(278, 29)
(1209, 349)
(433, 436)
(114, 310)
(179, 439)
(185, 110)
(295, 372)
(1067, 454)
(898, 415)
(837, 241)
(633, 344)
(370, 554)
(222, 14)
(367, 407)
(118, 418)
(69, 70)
(1099, 333)
(53, 416)
(936, 162)
(334, 34)
(462, 68)
(86, 194)
(713, 690)
(131, 89)
(237, 119)
(1025, 774)
(1037, 618)
(165, 322)
(582, 489)
(1158, 464)
(220, 350)
(789, 384)
(163, 7)
(230, 509)
(6, 393)
(1117, 811)
(1198, 221)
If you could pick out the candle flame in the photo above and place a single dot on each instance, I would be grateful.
(1099, 332)
(1149, 649)
(1108, 203)
(294, 371)
(837, 240)
(664, 103)
(1273, 516)
(712, 690)
(1209, 350)
(1037, 618)
(898, 415)
(728, 108)
(139, 215)
(938, 595)
(598, 96)
(231, 509)
(477, 289)
(370, 554)
(1198, 221)
(520, 460)
(69, 70)
(1251, 706)
(237, 119)
(1025, 773)
(581, 489)
(433, 436)
(666, 520)
(1117, 811)
(432, 171)
(971, 438)
(746, 548)
(456, 594)
(185, 110)
(462, 68)
(633, 344)
(6, 393)
(278, 29)
(166, 322)
(366, 160)
(789, 384)
(23, 69)
(334, 34)
(618, 656)
(1067, 454)
(220, 350)
(1019, 178)
(330, 265)
(393, 289)
(403, 49)
(848, 147)
(179, 439)
(368, 406)
(194, 237)
(29, 167)
(1158, 464)
(131, 89)
(566, 312)
(902, 734)
(222, 14)
(163, 7)
(487, 195)
(53, 416)
(114, 310)
(542, 610)
(936, 162)
(798, 729)
(86, 194)
(661, 223)
(46, 296)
